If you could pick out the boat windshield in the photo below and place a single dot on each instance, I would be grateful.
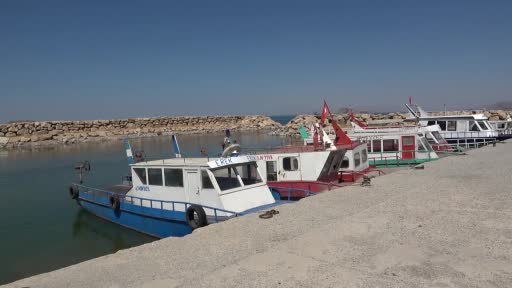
(437, 136)
(234, 176)
(483, 125)
(423, 144)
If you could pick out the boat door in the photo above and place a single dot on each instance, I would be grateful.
(408, 147)
(289, 168)
(192, 185)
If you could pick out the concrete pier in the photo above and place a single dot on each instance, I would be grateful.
(449, 225)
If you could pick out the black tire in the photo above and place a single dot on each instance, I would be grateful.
(115, 203)
(196, 217)
(73, 192)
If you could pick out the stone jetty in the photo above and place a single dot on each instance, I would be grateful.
(446, 225)
(54, 132)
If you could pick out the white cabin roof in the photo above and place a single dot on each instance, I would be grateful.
(197, 162)
(441, 117)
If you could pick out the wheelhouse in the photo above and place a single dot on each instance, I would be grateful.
(233, 184)
(395, 148)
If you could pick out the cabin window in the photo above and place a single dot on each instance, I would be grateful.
(429, 123)
(226, 178)
(377, 145)
(452, 126)
(173, 177)
(501, 125)
(390, 145)
(438, 136)
(290, 164)
(345, 163)
(357, 159)
(155, 176)
(365, 155)
(482, 125)
(249, 174)
(418, 143)
(442, 124)
(141, 173)
(271, 171)
(205, 179)
(473, 126)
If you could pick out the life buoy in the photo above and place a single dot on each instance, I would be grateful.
(196, 217)
(231, 149)
(115, 203)
(73, 192)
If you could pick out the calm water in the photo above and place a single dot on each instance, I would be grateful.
(282, 119)
(42, 229)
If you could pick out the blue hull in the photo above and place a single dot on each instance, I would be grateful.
(154, 222)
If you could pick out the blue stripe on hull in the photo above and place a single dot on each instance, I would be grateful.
(152, 221)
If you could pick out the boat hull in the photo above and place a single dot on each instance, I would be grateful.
(155, 222)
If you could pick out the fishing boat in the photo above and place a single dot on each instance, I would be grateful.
(172, 197)
(468, 131)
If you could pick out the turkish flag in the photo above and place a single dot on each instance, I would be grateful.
(325, 112)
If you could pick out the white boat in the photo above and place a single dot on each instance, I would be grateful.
(171, 197)
(432, 133)
(504, 127)
(468, 131)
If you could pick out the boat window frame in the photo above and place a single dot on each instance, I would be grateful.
(292, 164)
(357, 159)
(206, 175)
(241, 183)
(451, 128)
(143, 181)
(364, 155)
(271, 176)
(149, 176)
(396, 144)
(165, 178)
(483, 127)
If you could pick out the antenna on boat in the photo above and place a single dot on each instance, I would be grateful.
(82, 167)
(175, 146)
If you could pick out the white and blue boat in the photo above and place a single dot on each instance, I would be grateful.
(172, 197)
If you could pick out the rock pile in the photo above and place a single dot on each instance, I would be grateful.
(15, 134)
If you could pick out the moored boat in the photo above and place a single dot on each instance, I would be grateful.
(171, 197)
(468, 131)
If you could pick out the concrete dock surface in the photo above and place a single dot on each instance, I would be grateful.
(449, 225)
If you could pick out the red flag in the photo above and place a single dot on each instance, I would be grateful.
(325, 112)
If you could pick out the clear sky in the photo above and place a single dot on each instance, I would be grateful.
(114, 59)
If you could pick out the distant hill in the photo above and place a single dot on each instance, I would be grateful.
(502, 105)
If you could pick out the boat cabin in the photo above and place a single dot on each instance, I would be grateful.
(232, 184)
(395, 148)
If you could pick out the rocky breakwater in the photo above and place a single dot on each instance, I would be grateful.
(68, 132)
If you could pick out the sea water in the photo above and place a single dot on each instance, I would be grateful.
(42, 229)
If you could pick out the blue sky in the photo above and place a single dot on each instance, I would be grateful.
(114, 59)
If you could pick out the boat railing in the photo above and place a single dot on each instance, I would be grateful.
(469, 134)
(154, 203)
(394, 158)
(470, 143)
